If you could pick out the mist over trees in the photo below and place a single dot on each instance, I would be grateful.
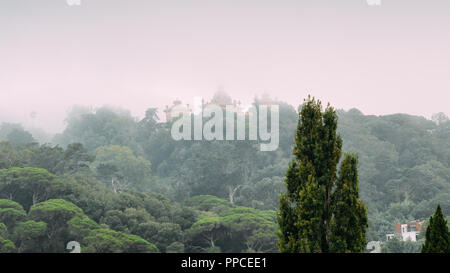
(116, 183)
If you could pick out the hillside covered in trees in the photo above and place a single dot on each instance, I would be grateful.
(115, 183)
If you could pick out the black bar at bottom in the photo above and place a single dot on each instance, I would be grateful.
(223, 262)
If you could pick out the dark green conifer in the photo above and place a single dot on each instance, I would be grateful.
(349, 222)
(437, 236)
(309, 206)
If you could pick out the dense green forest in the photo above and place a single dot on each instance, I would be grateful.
(115, 183)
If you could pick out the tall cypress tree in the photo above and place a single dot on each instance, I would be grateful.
(437, 236)
(305, 209)
(310, 211)
(349, 222)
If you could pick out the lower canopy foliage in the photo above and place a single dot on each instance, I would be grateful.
(232, 228)
(50, 225)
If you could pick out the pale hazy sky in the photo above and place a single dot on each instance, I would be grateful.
(138, 54)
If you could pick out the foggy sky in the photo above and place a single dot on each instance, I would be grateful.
(138, 54)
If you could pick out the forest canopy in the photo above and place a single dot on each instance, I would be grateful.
(116, 183)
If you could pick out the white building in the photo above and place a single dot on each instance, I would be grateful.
(408, 234)
(405, 232)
